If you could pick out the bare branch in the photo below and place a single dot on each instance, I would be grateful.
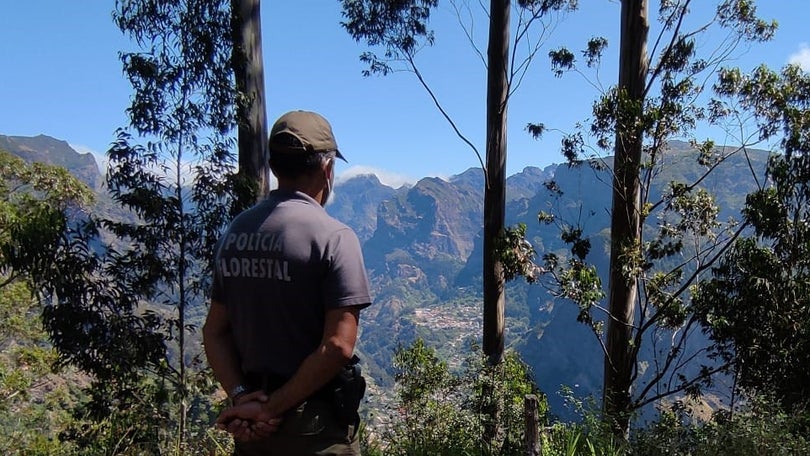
(682, 387)
(446, 116)
(11, 278)
(468, 32)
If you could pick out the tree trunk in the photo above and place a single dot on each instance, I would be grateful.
(625, 216)
(251, 111)
(494, 193)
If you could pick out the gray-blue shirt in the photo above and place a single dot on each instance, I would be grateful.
(279, 266)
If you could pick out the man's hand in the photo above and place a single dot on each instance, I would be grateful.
(260, 396)
(249, 420)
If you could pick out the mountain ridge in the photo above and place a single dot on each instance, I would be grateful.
(46, 149)
(423, 249)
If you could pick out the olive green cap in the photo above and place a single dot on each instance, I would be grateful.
(310, 128)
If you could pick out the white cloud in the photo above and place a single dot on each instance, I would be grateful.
(801, 57)
(187, 170)
(101, 158)
(386, 177)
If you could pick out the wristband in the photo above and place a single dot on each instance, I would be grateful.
(237, 391)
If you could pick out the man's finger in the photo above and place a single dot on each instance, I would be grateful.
(244, 434)
(265, 428)
(225, 416)
(237, 426)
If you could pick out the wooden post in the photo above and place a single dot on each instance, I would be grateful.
(530, 417)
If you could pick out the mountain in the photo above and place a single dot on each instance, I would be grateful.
(55, 152)
(424, 234)
(355, 202)
(425, 261)
(423, 251)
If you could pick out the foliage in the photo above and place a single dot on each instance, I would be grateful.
(401, 29)
(108, 311)
(517, 254)
(34, 201)
(145, 425)
(578, 281)
(760, 427)
(49, 250)
(32, 399)
(660, 245)
(182, 83)
(587, 434)
(94, 322)
(768, 273)
(38, 230)
(397, 26)
(443, 412)
(173, 168)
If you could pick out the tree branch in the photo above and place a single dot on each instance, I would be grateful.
(446, 116)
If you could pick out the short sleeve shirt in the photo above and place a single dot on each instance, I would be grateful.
(279, 266)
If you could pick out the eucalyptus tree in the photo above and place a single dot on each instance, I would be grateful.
(757, 305)
(172, 166)
(248, 68)
(660, 95)
(400, 29)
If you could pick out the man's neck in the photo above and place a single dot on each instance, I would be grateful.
(307, 186)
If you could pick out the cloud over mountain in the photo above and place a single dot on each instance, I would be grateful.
(801, 57)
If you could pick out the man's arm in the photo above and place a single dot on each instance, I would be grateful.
(223, 359)
(220, 348)
(321, 366)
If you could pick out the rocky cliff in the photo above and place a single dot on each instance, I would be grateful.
(423, 251)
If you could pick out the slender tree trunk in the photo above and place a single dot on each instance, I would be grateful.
(625, 233)
(252, 114)
(494, 193)
(181, 304)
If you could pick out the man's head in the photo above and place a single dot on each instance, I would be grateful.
(312, 131)
(302, 152)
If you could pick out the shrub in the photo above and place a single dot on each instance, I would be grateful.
(475, 410)
(761, 427)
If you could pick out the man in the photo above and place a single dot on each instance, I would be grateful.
(288, 287)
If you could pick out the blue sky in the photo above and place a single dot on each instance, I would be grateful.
(61, 77)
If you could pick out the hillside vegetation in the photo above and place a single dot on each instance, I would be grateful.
(419, 339)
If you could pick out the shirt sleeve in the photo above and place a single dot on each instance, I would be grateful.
(346, 282)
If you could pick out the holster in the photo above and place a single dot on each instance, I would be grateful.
(347, 390)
